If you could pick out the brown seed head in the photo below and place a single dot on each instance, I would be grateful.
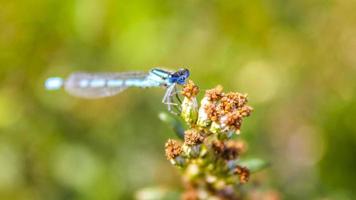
(190, 89)
(212, 112)
(226, 105)
(228, 150)
(243, 173)
(192, 137)
(233, 149)
(233, 119)
(218, 147)
(232, 101)
(245, 111)
(237, 98)
(214, 94)
(239, 145)
(173, 149)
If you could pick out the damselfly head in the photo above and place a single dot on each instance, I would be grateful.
(180, 76)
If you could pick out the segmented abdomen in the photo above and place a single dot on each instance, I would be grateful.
(97, 85)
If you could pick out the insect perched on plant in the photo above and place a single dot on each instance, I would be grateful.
(99, 85)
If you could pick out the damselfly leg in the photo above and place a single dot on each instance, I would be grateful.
(176, 94)
(170, 98)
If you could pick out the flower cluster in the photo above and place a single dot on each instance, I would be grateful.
(223, 112)
(209, 157)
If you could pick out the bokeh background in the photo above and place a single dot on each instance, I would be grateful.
(296, 60)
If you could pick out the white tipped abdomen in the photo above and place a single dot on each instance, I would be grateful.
(54, 83)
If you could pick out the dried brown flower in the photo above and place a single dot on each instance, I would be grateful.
(239, 145)
(193, 137)
(232, 101)
(226, 109)
(245, 111)
(233, 149)
(173, 149)
(243, 173)
(212, 113)
(238, 98)
(218, 147)
(226, 105)
(190, 89)
(233, 119)
(228, 150)
(215, 93)
(209, 156)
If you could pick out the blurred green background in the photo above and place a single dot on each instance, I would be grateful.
(296, 60)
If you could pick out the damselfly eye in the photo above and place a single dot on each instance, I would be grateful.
(185, 73)
(181, 80)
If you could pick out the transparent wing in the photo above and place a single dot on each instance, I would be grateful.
(98, 85)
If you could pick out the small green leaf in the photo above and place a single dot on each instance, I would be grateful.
(254, 164)
(173, 122)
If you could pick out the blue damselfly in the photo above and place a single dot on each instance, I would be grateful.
(98, 85)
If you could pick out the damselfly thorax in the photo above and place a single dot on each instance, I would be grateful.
(99, 85)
